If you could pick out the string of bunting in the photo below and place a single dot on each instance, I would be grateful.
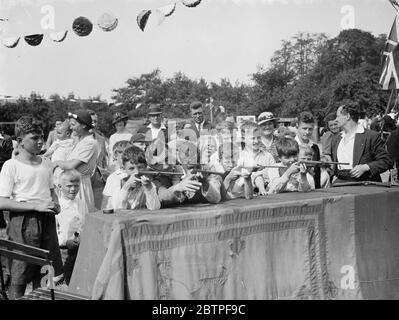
(82, 26)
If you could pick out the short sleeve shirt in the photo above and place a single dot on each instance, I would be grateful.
(86, 150)
(25, 182)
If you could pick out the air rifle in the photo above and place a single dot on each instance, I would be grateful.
(321, 163)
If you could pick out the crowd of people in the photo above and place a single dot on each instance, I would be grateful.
(46, 189)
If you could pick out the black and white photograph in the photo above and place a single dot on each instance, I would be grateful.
(211, 153)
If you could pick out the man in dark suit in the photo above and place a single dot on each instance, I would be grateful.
(198, 122)
(363, 149)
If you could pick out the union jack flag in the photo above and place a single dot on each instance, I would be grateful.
(389, 76)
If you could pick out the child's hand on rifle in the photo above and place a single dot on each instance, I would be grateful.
(133, 182)
(146, 182)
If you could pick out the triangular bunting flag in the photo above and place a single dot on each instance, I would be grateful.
(191, 3)
(142, 18)
(34, 39)
(58, 36)
(11, 42)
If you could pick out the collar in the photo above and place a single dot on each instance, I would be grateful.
(310, 143)
(359, 129)
(161, 127)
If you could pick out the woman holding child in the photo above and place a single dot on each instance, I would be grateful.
(83, 156)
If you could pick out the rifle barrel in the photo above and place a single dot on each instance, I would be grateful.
(155, 173)
(322, 162)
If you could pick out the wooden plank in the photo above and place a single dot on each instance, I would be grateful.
(25, 248)
(23, 257)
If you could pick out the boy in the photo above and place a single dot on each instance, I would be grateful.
(114, 180)
(295, 176)
(136, 192)
(27, 191)
(240, 181)
(70, 219)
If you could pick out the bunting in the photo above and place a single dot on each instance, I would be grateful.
(82, 26)
(34, 39)
(389, 76)
(58, 36)
(107, 22)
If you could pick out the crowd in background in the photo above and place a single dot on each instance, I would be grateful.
(162, 163)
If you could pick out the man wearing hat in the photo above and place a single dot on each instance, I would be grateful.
(268, 124)
(119, 121)
(156, 127)
(156, 135)
(198, 122)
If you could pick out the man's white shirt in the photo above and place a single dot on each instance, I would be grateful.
(345, 148)
(155, 131)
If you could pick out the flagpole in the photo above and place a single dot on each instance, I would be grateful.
(389, 103)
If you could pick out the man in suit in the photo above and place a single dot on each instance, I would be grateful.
(198, 122)
(363, 149)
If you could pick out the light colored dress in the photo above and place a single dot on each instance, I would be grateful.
(86, 150)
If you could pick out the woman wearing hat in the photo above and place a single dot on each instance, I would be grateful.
(268, 124)
(83, 156)
(121, 134)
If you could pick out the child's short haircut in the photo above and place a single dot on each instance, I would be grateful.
(26, 125)
(249, 126)
(287, 147)
(306, 150)
(71, 174)
(121, 146)
(134, 155)
(306, 117)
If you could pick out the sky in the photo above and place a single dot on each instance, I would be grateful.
(217, 39)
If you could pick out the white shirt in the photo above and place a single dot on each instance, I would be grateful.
(155, 131)
(113, 183)
(70, 219)
(24, 182)
(345, 148)
(310, 143)
(61, 149)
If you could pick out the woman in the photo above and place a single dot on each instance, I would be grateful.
(83, 156)
(268, 124)
(119, 122)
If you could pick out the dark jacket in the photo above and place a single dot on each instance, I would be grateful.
(5, 149)
(191, 125)
(368, 149)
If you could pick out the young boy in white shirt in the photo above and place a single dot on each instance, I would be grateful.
(241, 180)
(114, 179)
(136, 191)
(295, 176)
(27, 192)
(70, 220)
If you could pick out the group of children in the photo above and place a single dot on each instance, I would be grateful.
(226, 170)
(37, 214)
(44, 210)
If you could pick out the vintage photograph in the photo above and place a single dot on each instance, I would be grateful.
(199, 150)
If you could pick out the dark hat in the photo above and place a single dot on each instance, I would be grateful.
(118, 117)
(154, 109)
(265, 117)
(82, 116)
(196, 105)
